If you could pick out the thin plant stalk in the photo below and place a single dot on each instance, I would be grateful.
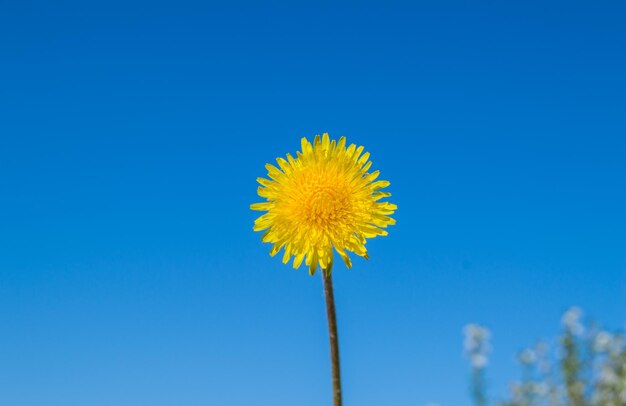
(572, 367)
(478, 387)
(332, 335)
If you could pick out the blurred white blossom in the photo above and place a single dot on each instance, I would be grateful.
(528, 356)
(602, 341)
(541, 389)
(571, 320)
(616, 345)
(476, 345)
(542, 350)
(607, 376)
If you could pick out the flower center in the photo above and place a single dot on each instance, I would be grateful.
(324, 206)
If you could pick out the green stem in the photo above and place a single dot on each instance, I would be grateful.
(332, 334)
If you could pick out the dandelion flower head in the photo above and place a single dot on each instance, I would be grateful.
(325, 199)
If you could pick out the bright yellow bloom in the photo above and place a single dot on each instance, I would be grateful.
(322, 199)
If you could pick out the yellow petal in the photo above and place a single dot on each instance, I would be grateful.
(297, 261)
(381, 184)
(262, 206)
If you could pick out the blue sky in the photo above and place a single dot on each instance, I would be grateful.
(131, 135)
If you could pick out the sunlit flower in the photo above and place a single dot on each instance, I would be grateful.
(323, 199)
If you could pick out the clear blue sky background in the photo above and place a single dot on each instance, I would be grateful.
(131, 134)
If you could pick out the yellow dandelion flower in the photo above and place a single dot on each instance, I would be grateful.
(324, 198)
